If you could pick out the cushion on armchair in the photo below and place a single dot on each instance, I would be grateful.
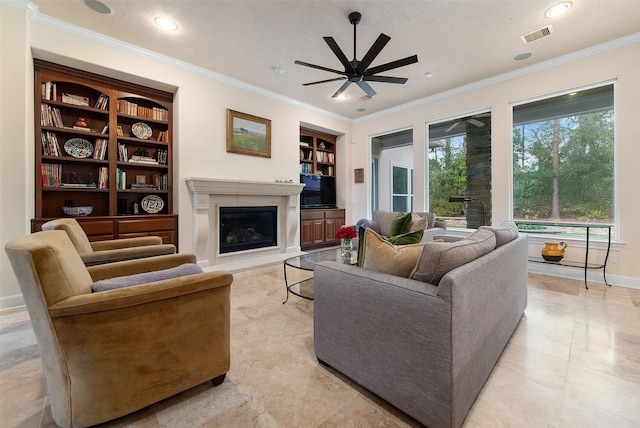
(506, 232)
(146, 277)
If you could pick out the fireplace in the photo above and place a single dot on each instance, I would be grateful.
(248, 228)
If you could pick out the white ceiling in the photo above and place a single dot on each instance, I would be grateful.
(458, 41)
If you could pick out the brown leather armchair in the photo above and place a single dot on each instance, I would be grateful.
(109, 353)
(94, 253)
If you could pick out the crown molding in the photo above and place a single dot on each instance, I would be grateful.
(37, 17)
(554, 62)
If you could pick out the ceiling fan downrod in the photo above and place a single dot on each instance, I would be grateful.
(354, 19)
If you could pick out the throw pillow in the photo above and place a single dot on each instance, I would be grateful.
(381, 256)
(438, 259)
(400, 224)
(146, 277)
(407, 238)
(417, 222)
(506, 232)
(366, 223)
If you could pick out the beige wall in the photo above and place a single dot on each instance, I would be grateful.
(203, 97)
(200, 123)
(620, 65)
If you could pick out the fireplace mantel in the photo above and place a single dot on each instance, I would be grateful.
(210, 193)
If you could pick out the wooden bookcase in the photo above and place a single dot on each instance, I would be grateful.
(105, 143)
(318, 226)
(317, 152)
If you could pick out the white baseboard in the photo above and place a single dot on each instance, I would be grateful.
(578, 274)
(11, 301)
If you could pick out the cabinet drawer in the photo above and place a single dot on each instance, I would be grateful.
(311, 215)
(146, 225)
(97, 227)
(334, 214)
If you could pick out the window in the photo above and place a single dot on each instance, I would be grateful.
(402, 196)
(563, 158)
(460, 166)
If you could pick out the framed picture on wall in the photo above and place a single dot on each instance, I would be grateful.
(358, 175)
(248, 134)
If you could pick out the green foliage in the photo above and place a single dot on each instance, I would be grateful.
(242, 140)
(585, 153)
(447, 177)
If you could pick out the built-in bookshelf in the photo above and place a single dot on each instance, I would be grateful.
(317, 152)
(101, 142)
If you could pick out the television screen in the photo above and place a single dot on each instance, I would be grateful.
(319, 191)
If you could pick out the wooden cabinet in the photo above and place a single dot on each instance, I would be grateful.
(105, 143)
(317, 152)
(318, 227)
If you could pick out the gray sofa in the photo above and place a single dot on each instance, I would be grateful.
(426, 349)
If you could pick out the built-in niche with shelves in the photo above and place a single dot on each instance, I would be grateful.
(101, 142)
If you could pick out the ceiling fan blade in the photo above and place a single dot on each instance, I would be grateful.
(453, 125)
(373, 52)
(342, 89)
(338, 52)
(476, 122)
(323, 81)
(386, 79)
(391, 65)
(366, 88)
(319, 67)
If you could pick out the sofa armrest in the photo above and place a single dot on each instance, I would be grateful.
(140, 294)
(441, 224)
(129, 253)
(430, 234)
(131, 267)
(114, 244)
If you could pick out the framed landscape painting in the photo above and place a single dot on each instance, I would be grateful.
(248, 135)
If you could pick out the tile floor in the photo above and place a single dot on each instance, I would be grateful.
(574, 361)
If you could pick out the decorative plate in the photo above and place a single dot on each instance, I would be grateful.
(152, 204)
(141, 130)
(78, 148)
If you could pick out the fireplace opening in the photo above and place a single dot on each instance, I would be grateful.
(248, 228)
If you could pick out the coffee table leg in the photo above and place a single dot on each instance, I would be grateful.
(286, 284)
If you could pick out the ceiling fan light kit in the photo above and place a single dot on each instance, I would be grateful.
(358, 71)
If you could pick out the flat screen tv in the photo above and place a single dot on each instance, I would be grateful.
(319, 191)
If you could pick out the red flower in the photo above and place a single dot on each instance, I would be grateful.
(346, 232)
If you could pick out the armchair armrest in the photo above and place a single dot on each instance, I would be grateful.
(115, 244)
(108, 256)
(140, 294)
(131, 267)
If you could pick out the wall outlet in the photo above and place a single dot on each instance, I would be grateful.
(613, 258)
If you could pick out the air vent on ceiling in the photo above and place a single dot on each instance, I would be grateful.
(538, 34)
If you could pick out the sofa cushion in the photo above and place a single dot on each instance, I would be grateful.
(146, 277)
(506, 232)
(400, 224)
(407, 238)
(438, 258)
(417, 222)
(381, 256)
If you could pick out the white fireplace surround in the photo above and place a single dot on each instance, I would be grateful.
(209, 194)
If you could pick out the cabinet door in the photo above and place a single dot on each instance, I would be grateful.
(318, 230)
(306, 233)
(332, 226)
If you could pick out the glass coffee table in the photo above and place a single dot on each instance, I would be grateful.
(307, 262)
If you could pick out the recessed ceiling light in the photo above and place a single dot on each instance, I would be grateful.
(166, 24)
(428, 75)
(278, 69)
(98, 6)
(341, 97)
(559, 9)
(522, 56)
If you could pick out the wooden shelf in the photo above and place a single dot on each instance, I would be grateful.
(54, 119)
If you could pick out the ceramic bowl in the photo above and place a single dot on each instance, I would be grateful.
(78, 211)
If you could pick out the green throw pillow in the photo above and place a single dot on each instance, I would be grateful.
(360, 245)
(407, 238)
(400, 224)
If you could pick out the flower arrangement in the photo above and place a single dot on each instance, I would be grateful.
(346, 232)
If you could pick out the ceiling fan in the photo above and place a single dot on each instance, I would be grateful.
(358, 72)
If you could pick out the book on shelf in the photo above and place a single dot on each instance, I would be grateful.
(76, 100)
(100, 148)
(304, 143)
(163, 136)
(51, 174)
(161, 181)
(143, 159)
(50, 116)
(121, 180)
(50, 146)
(103, 102)
(133, 109)
(79, 185)
(49, 91)
(105, 129)
(103, 178)
(81, 128)
(162, 156)
(144, 186)
(122, 153)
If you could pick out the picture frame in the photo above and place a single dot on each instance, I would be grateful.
(358, 175)
(141, 179)
(248, 134)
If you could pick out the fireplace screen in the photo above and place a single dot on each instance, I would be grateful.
(247, 228)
